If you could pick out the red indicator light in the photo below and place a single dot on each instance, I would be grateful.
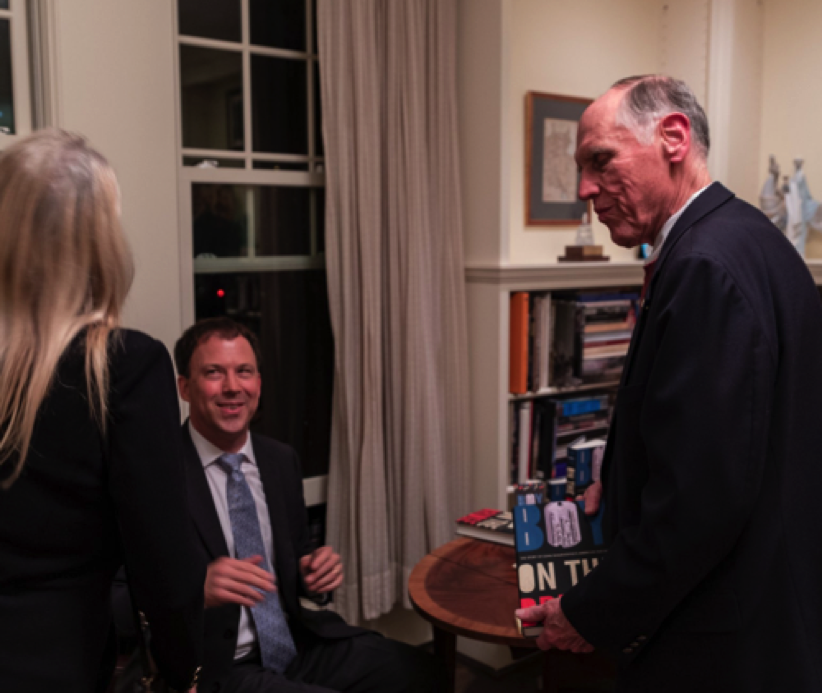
(220, 293)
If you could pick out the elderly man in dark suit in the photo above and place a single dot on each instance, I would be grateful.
(246, 500)
(713, 581)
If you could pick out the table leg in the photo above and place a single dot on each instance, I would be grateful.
(550, 660)
(445, 648)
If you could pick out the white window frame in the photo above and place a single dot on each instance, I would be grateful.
(315, 488)
(21, 89)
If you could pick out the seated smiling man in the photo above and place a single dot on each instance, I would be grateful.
(246, 500)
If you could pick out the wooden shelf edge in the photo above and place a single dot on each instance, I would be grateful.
(568, 275)
(570, 390)
(574, 275)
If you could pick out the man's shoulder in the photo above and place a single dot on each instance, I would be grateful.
(735, 232)
(271, 447)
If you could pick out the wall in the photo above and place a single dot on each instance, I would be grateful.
(734, 94)
(580, 49)
(482, 75)
(116, 86)
(791, 100)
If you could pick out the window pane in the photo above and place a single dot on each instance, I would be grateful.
(4, 4)
(200, 162)
(282, 221)
(315, 49)
(279, 108)
(212, 98)
(214, 19)
(6, 97)
(289, 312)
(279, 24)
(319, 206)
(219, 219)
(281, 165)
(319, 148)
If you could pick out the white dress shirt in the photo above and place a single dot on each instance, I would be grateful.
(246, 634)
(668, 225)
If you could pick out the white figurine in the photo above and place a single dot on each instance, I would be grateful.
(772, 198)
(791, 206)
(803, 210)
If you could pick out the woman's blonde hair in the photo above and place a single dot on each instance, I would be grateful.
(65, 266)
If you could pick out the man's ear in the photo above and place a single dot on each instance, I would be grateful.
(182, 388)
(675, 132)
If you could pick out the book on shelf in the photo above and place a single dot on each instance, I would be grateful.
(496, 526)
(541, 341)
(532, 491)
(526, 412)
(552, 335)
(518, 341)
(544, 427)
(556, 545)
(584, 465)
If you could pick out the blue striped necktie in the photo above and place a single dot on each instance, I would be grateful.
(277, 649)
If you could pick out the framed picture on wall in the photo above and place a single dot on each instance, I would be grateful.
(551, 175)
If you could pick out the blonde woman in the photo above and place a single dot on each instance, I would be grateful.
(89, 435)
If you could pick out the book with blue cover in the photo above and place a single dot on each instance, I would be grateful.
(556, 544)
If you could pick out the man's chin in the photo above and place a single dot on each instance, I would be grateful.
(624, 237)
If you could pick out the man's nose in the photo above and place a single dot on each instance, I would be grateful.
(588, 187)
(231, 383)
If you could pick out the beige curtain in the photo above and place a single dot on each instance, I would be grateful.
(400, 432)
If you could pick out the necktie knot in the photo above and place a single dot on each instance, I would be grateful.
(230, 462)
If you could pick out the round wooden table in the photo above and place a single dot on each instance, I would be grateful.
(469, 587)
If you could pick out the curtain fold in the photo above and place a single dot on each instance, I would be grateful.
(400, 424)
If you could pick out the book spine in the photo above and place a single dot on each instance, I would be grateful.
(524, 441)
(518, 341)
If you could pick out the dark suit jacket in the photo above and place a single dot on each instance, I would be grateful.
(82, 506)
(713, 470)
(282, 483)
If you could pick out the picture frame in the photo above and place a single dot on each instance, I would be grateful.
(551, 175)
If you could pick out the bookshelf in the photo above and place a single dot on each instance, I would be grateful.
(488, 291)
(488, 288)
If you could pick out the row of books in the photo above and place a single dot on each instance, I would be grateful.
(568, 338)
(543, 429)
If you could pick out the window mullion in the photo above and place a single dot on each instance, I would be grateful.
(247, 96)
(251, 216)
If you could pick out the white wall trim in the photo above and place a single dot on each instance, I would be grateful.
(45, 68)
(315, 490)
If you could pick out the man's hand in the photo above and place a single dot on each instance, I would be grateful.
(322, 570)
(593, 497)
(233, 581)
(557, 631)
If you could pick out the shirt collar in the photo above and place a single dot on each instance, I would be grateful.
(666, 228)
(210, 453)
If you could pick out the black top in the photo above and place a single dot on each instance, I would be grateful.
(82, 506)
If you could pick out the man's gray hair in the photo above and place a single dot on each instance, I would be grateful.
(649, 98)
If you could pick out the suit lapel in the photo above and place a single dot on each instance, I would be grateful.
(200, 502)
(711, 199)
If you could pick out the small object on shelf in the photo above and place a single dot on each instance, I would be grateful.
(583, 253)
(583, 249)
